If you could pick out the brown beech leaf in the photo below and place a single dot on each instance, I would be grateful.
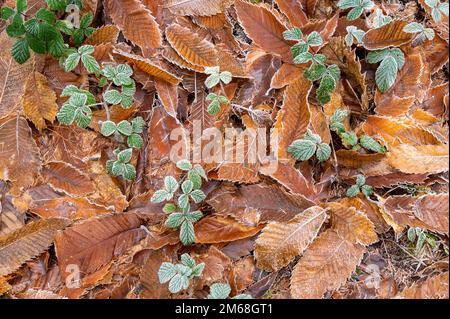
(337, 52)
(434, 98)
(217, 266)
(173, 57)
(435, 54)
(9, 222)
(263, 27)
(352, 224)
(19, 155)
(214, 22)
(39, 101)
(269, 202)
(67, 178)
(326, 265)
(13, 77)
(149, 67)
(241, 274)
(168, 95)
(294, 117)
(217, 229)
(92, 244)
(285, 75)
(427, 211)
(422, 159)
(294, 11)
(197, 7)
(105, 34)
(396, 132)
(116, 114)
(280, 243)
(405, 88)
(27, 242)
(391, 34)
(138, 25)
(191, 47)
(291, 178)
(435, 287)
(371, 164)
(67, 207)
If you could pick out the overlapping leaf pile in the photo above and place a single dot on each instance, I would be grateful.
(288, 233)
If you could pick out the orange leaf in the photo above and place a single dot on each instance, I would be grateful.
(217, 229)
(168, 95)
(391, 34)
(326, 265)
(191, 47)
(262, 26)
(352, 224)
(435, 287)
(197, 7)
(285, 75)
(105, 34)
(280, 243)
(138, 25)
(294, 11)
(149, 67)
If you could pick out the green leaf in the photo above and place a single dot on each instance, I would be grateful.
(353, 191)
(412, 234)
(129, 90)
(219, 291)
(367, 190)
(125, 155)
(6, 13)
(194, 216)
(178, 283)
(135, 140)
(197, 270)
(118, 168)
(78, 99)
(226, 77)
(166, 272)
(130, 172)
(90, 63)
(20, 51)
(195, 178)
(360, 180)
(323, 152)
(200, 171)
(46, 15)
(159, 196)
(66, 114)
(302, 150)
(436, 15)
(16, 28)
(71, 62)
(319, 58)
(315, 72)
(36, 44)
(212, 70)
(197, 196)
(187, 186)
(174, 220)
(112, 97)
(57, 5)
(310, 136)
(355, 13)
(212, 80)
(171, 184)
(214, 107)
(83, 116)
(429, 33)
(86, 20)
(127, 101)
(326, 88)
(413, 27)
(125, 128)
(188, 261)
(86, 49)
(187, 233)
(303, 58)
(184, 165)
(314, 39)
(243, 296)
(183, 201)
(298, 48)
(349, 139)
(138, 124)
(371, 144)
(108, 128)
(169, 208)
(72, 89)
(347, 4)
(294, 34)
(386, 74)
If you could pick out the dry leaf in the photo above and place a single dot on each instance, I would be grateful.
(197, 7)
(391, 34)
(435, 287)
(280, 243)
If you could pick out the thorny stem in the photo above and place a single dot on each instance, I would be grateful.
(335, 162)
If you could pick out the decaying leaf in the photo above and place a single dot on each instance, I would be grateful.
(391, 34)
(435, 287)
(27, 242)
(279, 243)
